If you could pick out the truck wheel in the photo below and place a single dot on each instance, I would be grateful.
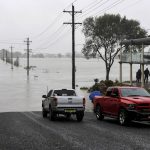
(44, 113)
(98, 113)
(80, 116)
(123, 117)
(68, 116)
(52, 115)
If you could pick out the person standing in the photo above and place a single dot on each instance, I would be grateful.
(138, 75)
(146, 74)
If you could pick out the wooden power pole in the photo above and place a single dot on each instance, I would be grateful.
(28, 51)
(6, 56)
(73, 12)
(11, 57)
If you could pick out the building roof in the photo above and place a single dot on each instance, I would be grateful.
(141, 41)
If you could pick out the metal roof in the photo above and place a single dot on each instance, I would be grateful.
(141, 41)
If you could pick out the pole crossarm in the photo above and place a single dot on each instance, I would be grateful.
(72, 12)
(72, 23)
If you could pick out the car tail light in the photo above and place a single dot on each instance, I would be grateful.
(55, 101)
(84, 101)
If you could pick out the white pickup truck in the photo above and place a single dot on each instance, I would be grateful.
(63, 101)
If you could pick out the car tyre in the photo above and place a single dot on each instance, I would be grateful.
(80, 116)
(52, 115)
(44, 113)
(98, 113)
(68, 116)
(123, 117)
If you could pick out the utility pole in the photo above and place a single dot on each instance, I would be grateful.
(3, 55)
(73, 42)
(11, 57)
(6, 56)
(28, 44)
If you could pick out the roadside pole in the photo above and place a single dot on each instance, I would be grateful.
(73, 42)
(3, 55)
(28, 50)
(6, 56)
(11, 57)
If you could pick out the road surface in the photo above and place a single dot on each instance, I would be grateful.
(30, 131)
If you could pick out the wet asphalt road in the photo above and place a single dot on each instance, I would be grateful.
(29, 131)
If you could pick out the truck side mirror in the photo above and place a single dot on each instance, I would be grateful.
(44, 96)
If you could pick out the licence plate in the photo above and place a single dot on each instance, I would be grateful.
(70, 110)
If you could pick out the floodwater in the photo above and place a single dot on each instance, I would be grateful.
(19, 93)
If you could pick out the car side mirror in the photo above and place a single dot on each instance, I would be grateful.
(44, 96)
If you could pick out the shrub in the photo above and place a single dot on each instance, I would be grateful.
(103, 85)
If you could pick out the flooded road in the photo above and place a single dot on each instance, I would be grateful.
(19, 93)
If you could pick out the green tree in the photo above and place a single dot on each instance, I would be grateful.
(103, 35)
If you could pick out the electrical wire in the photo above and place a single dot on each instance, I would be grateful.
(93, 8)
(52, 23)
(53, 35)
(110, 6)
(11, 43)
(53, 42)
(133, 4)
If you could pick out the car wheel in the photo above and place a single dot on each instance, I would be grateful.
(98, 113)
(44, 113)
(68, 116)
(52, 115)
(123, 117)
(80, 116)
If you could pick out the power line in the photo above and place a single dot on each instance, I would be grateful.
(133, 4)
(10, 43)
(110, 6)
(52, 23)
(70, 4)
(93, 8)
(53, 42)
(53, 35)
(89, 5)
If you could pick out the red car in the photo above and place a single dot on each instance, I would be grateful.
(123, 103)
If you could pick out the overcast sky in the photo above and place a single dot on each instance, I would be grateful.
(42, 21)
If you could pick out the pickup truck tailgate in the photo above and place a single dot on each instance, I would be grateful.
(69, 101)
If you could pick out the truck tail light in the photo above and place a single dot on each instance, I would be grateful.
(84, 101)
(55, 101)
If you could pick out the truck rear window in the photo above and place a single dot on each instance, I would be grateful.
(64, 93)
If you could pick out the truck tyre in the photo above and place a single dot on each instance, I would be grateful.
(52, 115)
(44, 113)
(123, 117)
(98, 113)
(80, 116)
(68, 116)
